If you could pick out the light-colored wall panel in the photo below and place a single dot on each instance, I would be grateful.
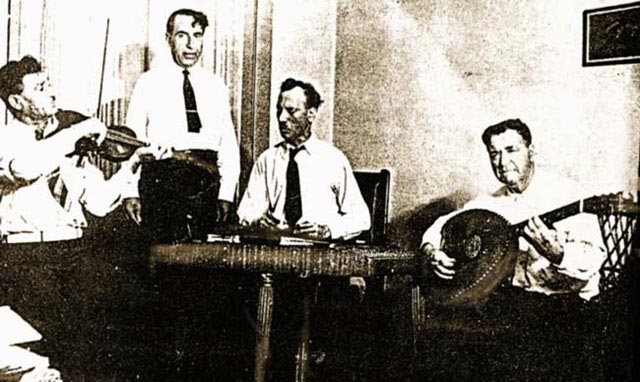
(304, 38)
(418, 81)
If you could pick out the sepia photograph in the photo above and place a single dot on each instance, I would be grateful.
(334, 190)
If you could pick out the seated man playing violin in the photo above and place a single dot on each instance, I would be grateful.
(46, 183)
(556, 266)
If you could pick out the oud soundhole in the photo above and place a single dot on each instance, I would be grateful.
(472, 246)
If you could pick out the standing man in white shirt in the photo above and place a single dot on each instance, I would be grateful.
(303, 184)
(181, 106)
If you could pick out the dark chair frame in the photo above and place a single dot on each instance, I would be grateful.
(374, 187)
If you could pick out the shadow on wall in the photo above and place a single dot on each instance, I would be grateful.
(407, 228)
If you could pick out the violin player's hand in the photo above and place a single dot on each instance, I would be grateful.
(91, 128)
(152, 152)
(146, 154)
(441, 264)
(133, 207)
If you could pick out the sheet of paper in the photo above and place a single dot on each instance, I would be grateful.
(19, 359)
(14, 329)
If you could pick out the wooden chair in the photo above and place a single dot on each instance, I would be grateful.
(374, 187)
(610, 313)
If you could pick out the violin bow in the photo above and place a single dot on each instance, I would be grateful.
(104, 64)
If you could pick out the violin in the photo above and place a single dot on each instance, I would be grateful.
(119, 144)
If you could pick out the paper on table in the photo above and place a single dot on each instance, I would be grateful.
(291, 241)
(13, 357)
(15, 330)
(215, 238)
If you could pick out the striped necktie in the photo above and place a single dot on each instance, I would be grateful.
(193, 119)
(58, 188)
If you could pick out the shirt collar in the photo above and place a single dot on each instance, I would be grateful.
(310, 145)
(171, 67)
(31, 130)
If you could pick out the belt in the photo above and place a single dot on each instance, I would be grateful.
(42, 236)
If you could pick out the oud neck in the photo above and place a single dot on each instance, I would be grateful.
(557, 214)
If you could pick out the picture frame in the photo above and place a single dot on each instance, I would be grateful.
(611, 35)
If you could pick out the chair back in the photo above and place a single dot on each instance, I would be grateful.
(374, 187)
(618, 227)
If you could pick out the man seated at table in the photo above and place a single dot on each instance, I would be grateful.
(302, 183)
(303, 186)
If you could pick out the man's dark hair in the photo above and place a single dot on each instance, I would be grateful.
(510, 124)
(198, 17)
(11, 76)
(313, 98)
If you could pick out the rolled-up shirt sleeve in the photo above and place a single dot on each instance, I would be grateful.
(137, 119)
(433, 234)
(255, 201)
(353, 214)
(228, 152)
(101, 196)
(21, 164)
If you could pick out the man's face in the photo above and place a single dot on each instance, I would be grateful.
(511, 159)
(186, 41)
(37, 100)
(294, 118)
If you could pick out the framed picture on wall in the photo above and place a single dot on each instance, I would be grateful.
(611, 35)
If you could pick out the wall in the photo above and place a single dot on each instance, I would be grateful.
(303, 47)
(418, 81)
(69, 37)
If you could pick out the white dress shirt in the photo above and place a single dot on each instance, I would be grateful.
(157, 114)
(584, 250)
(28, 209)
(328, 190)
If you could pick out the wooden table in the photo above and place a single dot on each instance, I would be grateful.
(303, 261)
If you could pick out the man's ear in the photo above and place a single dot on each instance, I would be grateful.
(16, 102)
(532, 151)
(167, 38)
(311, 114)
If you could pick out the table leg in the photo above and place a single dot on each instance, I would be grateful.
(417, 315)
(302, 358)
(265, 314)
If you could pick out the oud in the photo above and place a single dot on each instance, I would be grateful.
(485, 247)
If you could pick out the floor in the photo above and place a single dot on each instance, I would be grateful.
(109, 319)
(191, 324)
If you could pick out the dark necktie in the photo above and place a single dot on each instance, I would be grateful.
(193, 119)
(292, 202)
